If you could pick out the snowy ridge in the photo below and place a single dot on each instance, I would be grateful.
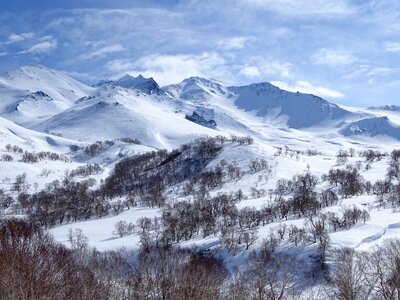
(35, 92)
(301, 110)
(196, 88)
(117, 112)
(39, 78)
(386, 107)
(372, 127)
(146, 85)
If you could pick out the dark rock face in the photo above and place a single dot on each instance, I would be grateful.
(196, 118)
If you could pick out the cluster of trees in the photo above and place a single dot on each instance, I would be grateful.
(131, 141)
(165, 271)
(241, 140)
(150, 173)
(288, 152)
(349, 181)
(46, 269)
(85, 171)
(96, 148)
(141, 179)
(34, 266)
(68, 201)
(14, 148)
(369, 155)
(366, 275)
(7, 157)
(53, 133)
(219, 216)
(5, 200)
(32, 157)
(372, 155)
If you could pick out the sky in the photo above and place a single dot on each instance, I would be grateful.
(347, 51)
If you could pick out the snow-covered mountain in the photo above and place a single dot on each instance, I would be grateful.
(44, 99)
(386, 107)
(117, 112)
(372, 127)
(146, 85)
(196, 88)
(34, 91)
(298, 109)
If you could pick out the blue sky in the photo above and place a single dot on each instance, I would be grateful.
(343, 50)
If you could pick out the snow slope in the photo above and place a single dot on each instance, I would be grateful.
(372, 127)
(116, 112)
(300, 110)
(34, 91)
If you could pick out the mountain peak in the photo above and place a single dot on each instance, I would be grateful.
(200, 80)
(302, 110)
(28, 71)
(147, 85)
(392, 107)
(34, 79)
(195, 87)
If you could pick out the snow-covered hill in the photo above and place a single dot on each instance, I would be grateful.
(386, 108)
(196, 88)
(34, 91)
(372, 127)
(146, 85)
(297, 109)
(117, 112)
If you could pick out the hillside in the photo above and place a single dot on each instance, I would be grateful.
(35, 92)
(200, 170)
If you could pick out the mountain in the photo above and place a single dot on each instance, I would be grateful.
(196, 88)
(35, 78)
(394, 108)
(297, 109)
(11, 133)
(34, 91)
(146, 85)
(374, 126)
(117, 112)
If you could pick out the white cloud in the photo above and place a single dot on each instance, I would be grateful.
(372, 71)
(104, 51)
(308, 88)
(276, 68)
(167, 69)
(304, 7)
(82, 76)
(250, 71)
(233, 43)
(16, 38)
(257, 66)
(119, 66)
(392, 47)
(46, 44)
(333, 57)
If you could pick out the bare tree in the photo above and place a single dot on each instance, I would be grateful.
(349, 276)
